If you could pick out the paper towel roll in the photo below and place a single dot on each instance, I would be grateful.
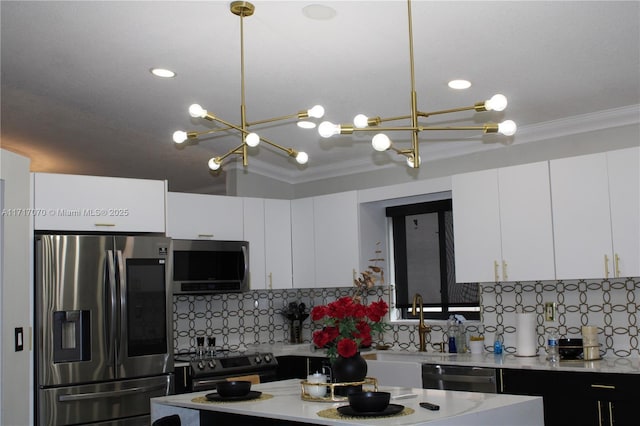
(526, 341)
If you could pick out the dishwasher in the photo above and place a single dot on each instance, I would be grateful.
(459, 378)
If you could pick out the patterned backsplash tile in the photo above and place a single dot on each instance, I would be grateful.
(241, 319)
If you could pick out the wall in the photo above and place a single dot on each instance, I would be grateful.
(612, 305)
(16, 379)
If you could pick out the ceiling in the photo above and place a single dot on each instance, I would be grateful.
(78, 97)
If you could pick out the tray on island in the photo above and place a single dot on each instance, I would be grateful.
(368, 384)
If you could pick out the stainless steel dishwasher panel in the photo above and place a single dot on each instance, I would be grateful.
(459, 378)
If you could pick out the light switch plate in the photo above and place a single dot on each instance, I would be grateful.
(549, 311)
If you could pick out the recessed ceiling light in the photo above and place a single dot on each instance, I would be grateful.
(306, 124)
(459, 84)
(162, 72)
(318, 12)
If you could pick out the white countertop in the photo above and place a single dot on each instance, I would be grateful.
(487, 359)
(456, 408)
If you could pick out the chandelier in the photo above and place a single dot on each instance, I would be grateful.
(249, 138)
(382, 142)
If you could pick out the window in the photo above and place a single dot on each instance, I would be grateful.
(423, 262)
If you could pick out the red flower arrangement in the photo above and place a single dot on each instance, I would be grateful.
(347, 325)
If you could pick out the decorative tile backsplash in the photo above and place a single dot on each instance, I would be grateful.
(241, 319)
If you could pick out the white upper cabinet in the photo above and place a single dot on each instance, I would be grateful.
(199, 216)
(596, 214)
(277, 236)
(303, 248)
(624, 195)
(337, 242)
(502, 224)
(267, 227)
(254, 233)
(94, 203)
(476, 226)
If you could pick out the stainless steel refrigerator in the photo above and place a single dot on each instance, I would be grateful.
(103, 316)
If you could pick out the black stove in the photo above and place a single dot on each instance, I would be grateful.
(208, 368)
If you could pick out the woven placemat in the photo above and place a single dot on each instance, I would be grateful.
(204, 400)
(332, 413)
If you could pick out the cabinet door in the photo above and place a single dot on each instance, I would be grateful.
(581, 219)
(198, 216)
(303, 243)
(277, 236)
(336, 239)
(476, 226)
(624, 196)
(525, 223)
(93, 203)
(253, 211)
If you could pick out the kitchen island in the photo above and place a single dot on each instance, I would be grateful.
(281, 404)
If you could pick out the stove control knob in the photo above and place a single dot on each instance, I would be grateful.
(200, 365)
(258, 359)
(212, 364)
(267, 359)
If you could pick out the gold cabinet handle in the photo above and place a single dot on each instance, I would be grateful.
(270, 280)
(616, 261)
(205, 235)
(105, 224)
(606, 266)
(603, 386)
(505, 277)
(495, 270)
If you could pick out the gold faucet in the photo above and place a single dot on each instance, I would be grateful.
(423, 329)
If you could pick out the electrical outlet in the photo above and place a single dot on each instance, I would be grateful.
(550, 311)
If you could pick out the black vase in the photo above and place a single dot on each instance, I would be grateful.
(352, 369)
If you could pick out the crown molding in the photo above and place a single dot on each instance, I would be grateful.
(574, 125)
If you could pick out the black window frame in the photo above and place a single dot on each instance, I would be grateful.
(398, 215)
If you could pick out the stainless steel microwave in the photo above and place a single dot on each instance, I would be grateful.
(209, 267)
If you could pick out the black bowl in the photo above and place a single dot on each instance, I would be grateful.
(233, 388)
(369, 402)
(570, 348)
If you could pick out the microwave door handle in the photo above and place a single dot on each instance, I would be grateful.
(110, 291)
(246, 263)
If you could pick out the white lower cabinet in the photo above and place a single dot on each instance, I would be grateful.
(98, 204)
(201, 216)
(502, 224)
(596, 214)
(267, 227)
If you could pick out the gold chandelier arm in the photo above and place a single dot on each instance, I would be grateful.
(271, 120)
(486, 128)
(236, 150)
(292, 152)
(195, 135)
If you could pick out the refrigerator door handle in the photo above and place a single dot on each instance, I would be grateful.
(109, 394)
(112, 323)
(123, 309)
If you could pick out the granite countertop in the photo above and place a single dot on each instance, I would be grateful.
(283, 401)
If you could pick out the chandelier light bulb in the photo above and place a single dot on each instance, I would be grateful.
(306, 124)
(196, 111)
(252, 139)
(179, 136)
(302, 157)
(361, 121)
(214, 164)
(381, 142)
(507, 128)
(496, 103)
(326, 129)
(316, 112)
(410, 161)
